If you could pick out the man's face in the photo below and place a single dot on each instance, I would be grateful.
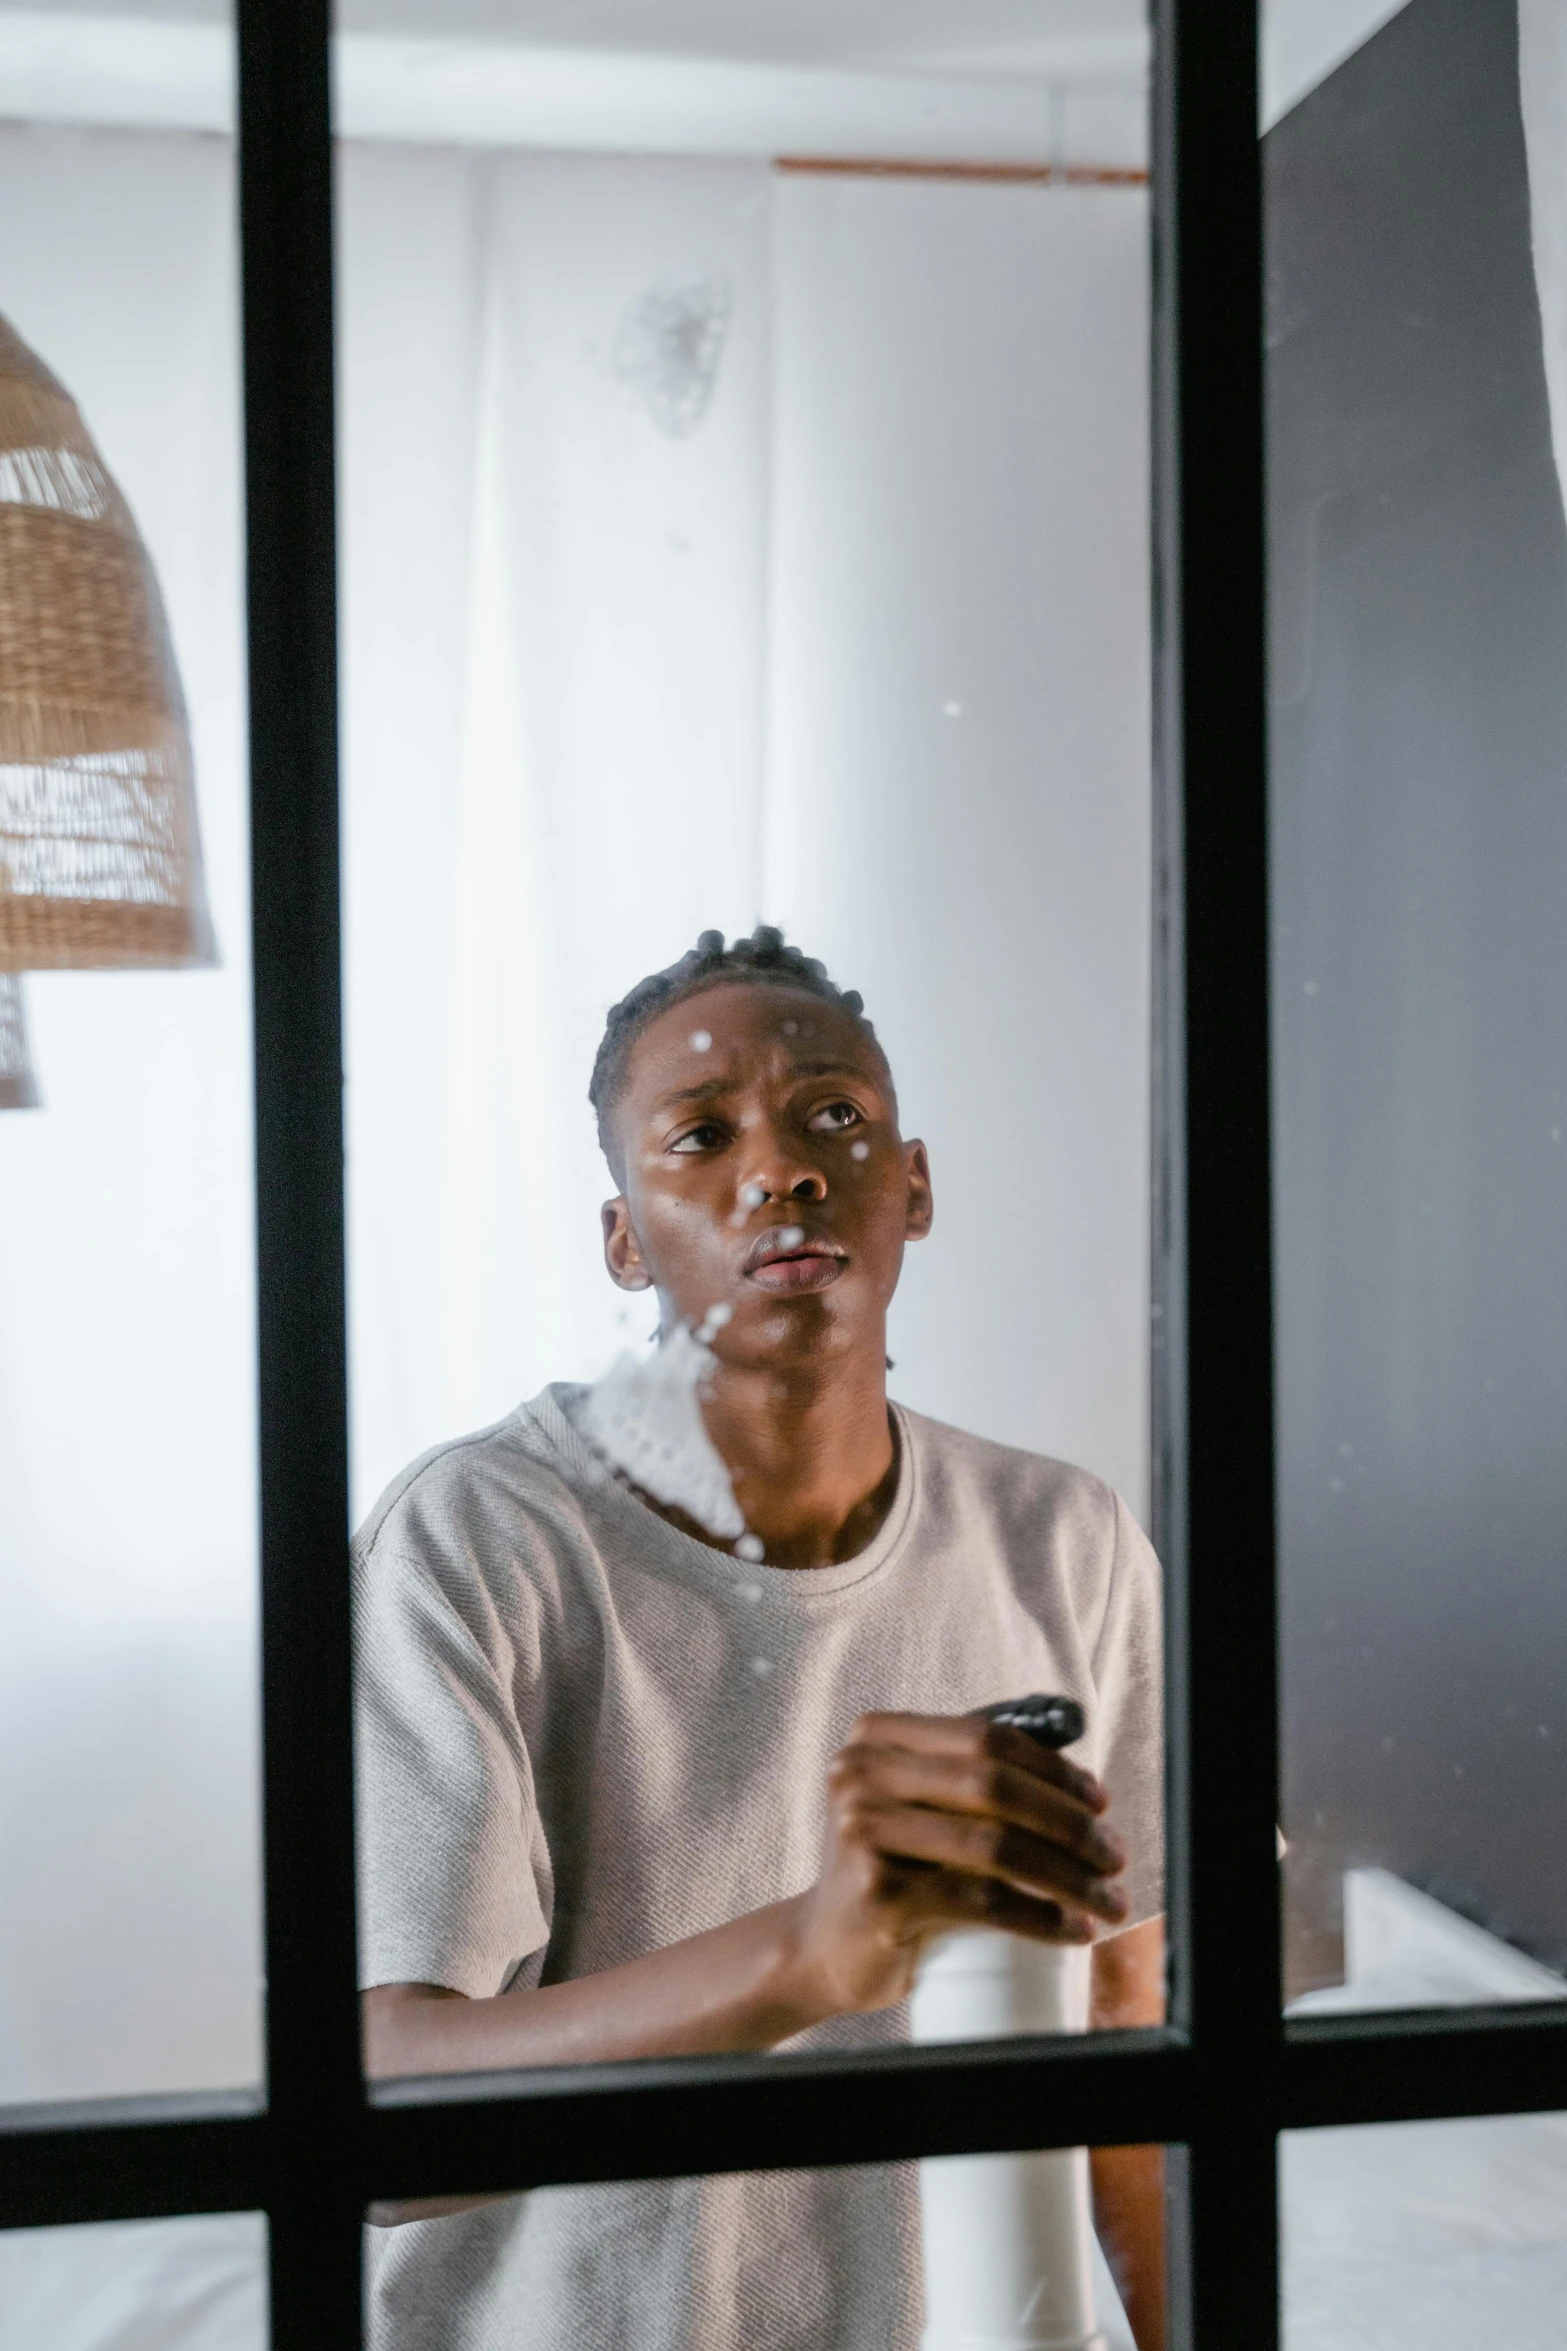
(764, 1172)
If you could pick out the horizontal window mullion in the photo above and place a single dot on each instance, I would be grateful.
(146, 2158)
(878, 2107)
(139, 2159)
(1425, 2066)
(129, 2161)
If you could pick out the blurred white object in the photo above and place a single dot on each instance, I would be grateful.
(1009, 2241)
(1404, 1950)
(144, 2285)
(1431, 2236)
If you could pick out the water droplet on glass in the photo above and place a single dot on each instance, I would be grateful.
(750, 1547)
(701, 1041)
(1311, 987)
(750, 1591)
(1336, 1485)
(751, 1195)
(761, 1667)
(952, 710)
(789, 1236)
(791, 1028)
(713, 1322)
(859, 1150)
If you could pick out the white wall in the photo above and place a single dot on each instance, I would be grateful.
(958, 798)
(129, 1908)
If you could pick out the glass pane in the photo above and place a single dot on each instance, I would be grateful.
(1419, 729)
(1427, 2236)
(178, 2285)
(744, 522)
(129, 1880)
(1055, 2252)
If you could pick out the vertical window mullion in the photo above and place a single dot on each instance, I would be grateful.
(312, 2019)
(1216, 1378)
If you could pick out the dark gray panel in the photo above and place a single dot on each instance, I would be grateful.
(1419, 602)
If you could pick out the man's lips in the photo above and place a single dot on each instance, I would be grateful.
(788, 1260)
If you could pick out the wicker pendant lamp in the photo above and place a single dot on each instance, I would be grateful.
(100, 861)
(18, 1087)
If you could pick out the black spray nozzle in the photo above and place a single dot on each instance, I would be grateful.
(1054, 1722)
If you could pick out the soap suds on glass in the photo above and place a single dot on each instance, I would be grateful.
(751, 1196)
(645, 1417)
(668, 345)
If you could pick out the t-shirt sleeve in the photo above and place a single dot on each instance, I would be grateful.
(455, 1884)
(1128, 1668)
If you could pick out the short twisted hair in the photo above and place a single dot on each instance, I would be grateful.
(765, 958)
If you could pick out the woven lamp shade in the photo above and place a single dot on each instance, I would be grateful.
(100, 861)
(18, 1087)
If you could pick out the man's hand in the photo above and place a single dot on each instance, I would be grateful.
(940, 1821)
(933, 1822)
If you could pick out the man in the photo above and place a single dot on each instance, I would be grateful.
(627, 1793)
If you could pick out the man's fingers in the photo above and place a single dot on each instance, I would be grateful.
(949, 1898)
(967, 1735)
(991, 1788)
(990, 1849)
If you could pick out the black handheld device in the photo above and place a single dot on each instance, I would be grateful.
(1054, 1722)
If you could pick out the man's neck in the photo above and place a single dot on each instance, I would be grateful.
(811, 1454)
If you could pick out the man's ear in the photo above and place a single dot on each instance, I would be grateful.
(622, 1249)
(921, 1201)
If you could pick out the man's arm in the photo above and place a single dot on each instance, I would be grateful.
(933, 1822)
(1128, 1989)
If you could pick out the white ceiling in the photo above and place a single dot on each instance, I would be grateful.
(976, 78)
(986, 81)
(911, 35)
(979, 36)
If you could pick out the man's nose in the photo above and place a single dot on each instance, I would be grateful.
(779, 1174)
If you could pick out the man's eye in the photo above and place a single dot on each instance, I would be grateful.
(834, 1118)
(702, 1138)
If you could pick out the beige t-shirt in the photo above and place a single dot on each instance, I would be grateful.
(583, 1735)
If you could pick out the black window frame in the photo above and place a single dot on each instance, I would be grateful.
(1227, 2074)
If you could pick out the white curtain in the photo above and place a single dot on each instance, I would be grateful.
(716, 545)
(861, 648)
(554, 634)
(1542, 59)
